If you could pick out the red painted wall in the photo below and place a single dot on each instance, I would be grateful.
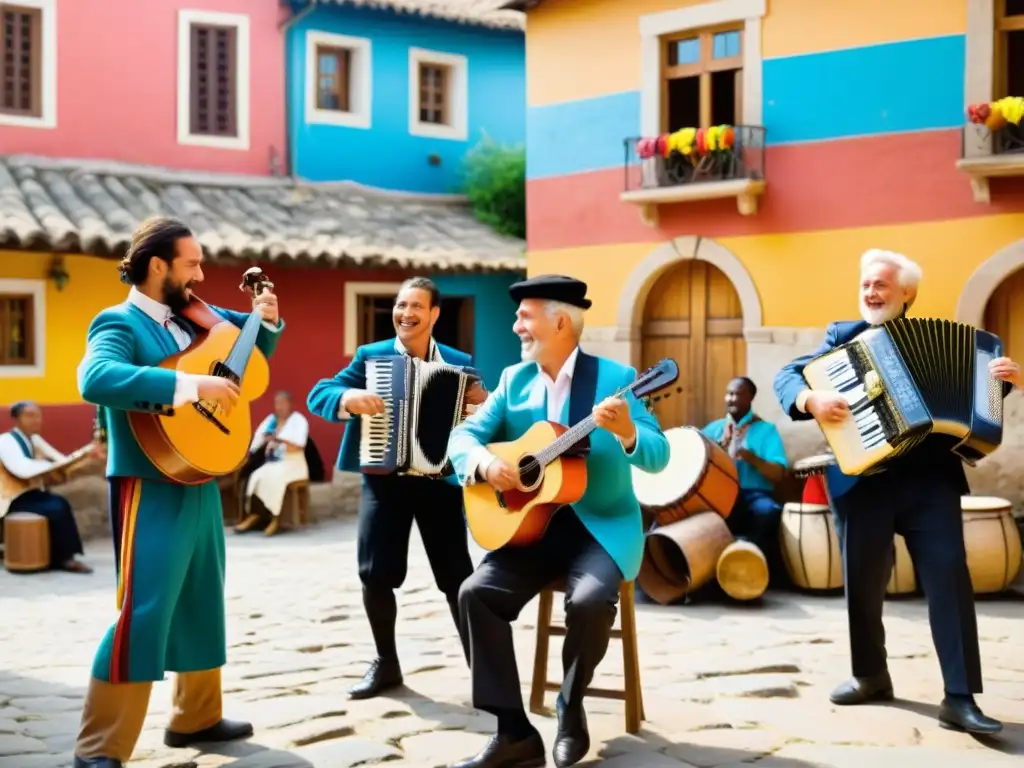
(311, 348)
(117, 72)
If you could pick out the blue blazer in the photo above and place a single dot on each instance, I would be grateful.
(325, 397)
(933, 452)
(118, 375)
(608, 509)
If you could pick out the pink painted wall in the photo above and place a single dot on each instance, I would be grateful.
(117, 73)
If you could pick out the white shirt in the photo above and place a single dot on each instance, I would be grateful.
(295, 430)
(186, 389)
(17, 463)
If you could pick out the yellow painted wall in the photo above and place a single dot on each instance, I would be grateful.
(580, 49)
(809, 279)
(93, 285)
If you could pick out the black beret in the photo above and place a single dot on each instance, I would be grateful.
(568, 290)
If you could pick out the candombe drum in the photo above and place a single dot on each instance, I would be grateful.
(699, 477)
(26, 542)
(810, 546)
(742, 571)
(993, 544)
(680, 558)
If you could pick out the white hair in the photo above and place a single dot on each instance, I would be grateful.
(908, 273)
(574, 313)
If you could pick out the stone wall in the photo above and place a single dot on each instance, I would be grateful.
(88, 496)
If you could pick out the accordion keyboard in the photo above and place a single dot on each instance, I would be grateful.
(381, 448)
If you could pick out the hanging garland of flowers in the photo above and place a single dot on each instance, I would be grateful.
(688, 142)
(997, 114)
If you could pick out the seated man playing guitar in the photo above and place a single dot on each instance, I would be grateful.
(594, 544)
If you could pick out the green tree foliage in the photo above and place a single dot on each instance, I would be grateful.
(495, 183)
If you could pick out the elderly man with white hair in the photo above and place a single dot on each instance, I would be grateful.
(917, 496)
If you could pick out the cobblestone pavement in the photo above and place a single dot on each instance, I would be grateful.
(724, 685)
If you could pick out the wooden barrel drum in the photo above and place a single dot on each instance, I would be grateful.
(810, 546)
(699, 477)
(742, 571)
(26, 542)
(682, 557)
(993, 543)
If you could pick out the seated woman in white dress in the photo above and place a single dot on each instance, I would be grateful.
(282, 437)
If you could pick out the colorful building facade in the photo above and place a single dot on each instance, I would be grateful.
(847, 130)
(393, 94)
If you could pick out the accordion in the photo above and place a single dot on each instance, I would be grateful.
(423, 403)
(908, 379)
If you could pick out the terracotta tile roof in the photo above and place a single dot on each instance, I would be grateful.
(85, 206)
(484, 13)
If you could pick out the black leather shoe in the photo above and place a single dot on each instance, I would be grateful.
(97, 762)
(502, 752)
(959, 715)
(861, 690)
(382, 675)
(225, 730)
(572, 742)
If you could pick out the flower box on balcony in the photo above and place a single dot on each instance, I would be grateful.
(695, 164)
(993, 144)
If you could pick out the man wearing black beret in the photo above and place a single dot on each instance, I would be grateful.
(594, 544)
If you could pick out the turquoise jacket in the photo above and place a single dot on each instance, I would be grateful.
(325, 398)
(118, 374)
(608, 509)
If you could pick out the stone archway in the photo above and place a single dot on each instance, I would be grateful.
(634, 293)
(984, 280)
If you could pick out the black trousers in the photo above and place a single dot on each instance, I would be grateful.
(925, 509)
(65, 540)
(507, 580)
(388, 506)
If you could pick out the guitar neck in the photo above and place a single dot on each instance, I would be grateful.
(570, 437)
(240, 353)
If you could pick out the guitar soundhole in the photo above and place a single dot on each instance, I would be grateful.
(530, 472)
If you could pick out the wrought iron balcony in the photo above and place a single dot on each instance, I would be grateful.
(720, 162)
(992, 144)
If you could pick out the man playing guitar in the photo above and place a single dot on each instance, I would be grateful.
(594, 544)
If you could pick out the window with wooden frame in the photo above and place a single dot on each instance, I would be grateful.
(1008, 74)
(434, 86)
(214, 81)
(333, 78)
(17, 330)
(702, 77)
(21, 60)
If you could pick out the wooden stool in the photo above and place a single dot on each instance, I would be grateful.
(296, 498)
(26, 542)
(632, 695)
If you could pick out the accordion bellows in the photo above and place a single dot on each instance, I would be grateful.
(423, 403)
(905, 380)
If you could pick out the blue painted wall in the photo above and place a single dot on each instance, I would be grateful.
(386, 155)
(495, 346)
(916, 85)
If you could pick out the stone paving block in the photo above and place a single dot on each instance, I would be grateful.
(343, 753)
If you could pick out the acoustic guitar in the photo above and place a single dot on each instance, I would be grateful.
(201, 441)
(548, 479)
(12, 486)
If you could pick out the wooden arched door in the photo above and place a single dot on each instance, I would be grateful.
(693, 315)
(1004, 314)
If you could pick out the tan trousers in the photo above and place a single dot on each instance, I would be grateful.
(113, 714)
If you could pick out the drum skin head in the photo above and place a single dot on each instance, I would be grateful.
(685, 463)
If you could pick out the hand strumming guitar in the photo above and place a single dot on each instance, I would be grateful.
(501, 476)
(218, 390)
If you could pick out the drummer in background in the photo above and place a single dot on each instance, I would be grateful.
(756, 447)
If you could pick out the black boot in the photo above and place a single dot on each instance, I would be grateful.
(861, 690)
(960, 713)
(385, 671)
(97, 762)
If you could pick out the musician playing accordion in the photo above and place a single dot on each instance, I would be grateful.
(917, 496)
(390, 502)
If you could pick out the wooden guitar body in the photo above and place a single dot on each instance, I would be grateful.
(199, 441)
(11, 486)
(526, 513)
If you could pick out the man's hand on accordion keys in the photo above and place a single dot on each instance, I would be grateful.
(827, 407)
(359, 402)
(1006, 369)
(475, 396)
